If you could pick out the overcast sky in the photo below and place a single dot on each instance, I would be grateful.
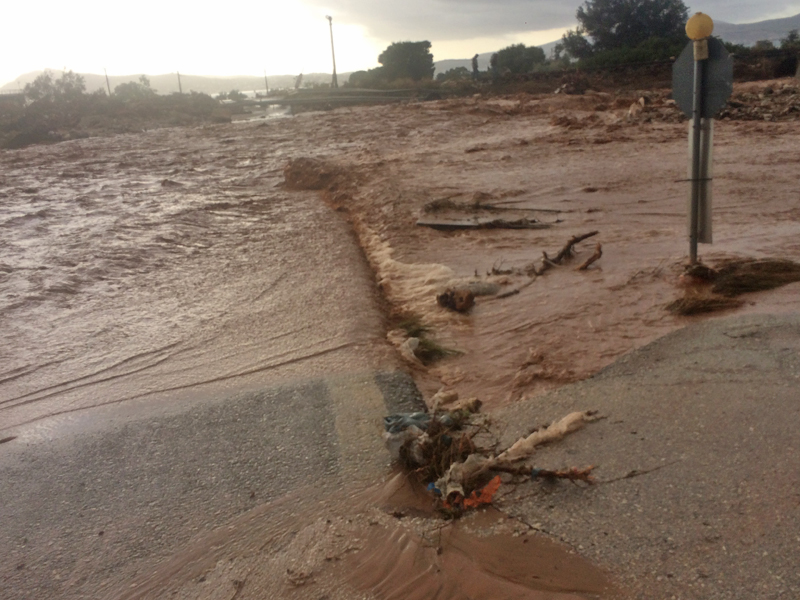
(292, 36)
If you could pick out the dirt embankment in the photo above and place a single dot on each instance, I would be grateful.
(571, 164)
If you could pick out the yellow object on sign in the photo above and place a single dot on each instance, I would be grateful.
(699, 26)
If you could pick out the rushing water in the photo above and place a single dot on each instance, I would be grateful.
(164, 261)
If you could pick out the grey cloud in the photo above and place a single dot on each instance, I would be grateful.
(450, 19)
(442, 20)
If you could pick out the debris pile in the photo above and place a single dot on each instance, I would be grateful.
(449, 453)
(709, 289)
(774, 102)
(777, 102)
(573, 84)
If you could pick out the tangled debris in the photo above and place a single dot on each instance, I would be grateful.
(445, 452)
(712, 289)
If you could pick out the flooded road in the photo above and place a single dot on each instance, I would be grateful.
(170, 267)
(154, 277)
(169, 261)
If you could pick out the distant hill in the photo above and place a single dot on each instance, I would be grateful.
(748, 34)
(167, 84)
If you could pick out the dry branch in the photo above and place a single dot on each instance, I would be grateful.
(566, 251)
(598, 252)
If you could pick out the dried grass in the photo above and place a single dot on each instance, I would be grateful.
(730, 279)
(750, 275)
(695, 304)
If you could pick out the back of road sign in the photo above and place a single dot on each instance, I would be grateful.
(717, 79)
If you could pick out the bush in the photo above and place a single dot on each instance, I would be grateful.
(518, 59)
(457, 74)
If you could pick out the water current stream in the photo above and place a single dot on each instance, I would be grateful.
(163, 261)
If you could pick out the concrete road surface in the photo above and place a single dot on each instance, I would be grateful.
(698, 460)
(94, 500)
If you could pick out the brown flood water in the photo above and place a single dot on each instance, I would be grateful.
(168, 264)
(172, 266)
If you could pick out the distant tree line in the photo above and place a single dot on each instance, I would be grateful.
(60, 108)
(613, 32)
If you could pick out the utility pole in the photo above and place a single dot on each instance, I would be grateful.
(108, 85)
(180, 87)
(334, 82)
(266, 84)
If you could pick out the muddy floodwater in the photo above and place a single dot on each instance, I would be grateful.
(170, 262)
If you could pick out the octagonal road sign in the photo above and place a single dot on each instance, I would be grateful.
(717, 79)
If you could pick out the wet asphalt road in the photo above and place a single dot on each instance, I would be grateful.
(106, 496)
(698, 462)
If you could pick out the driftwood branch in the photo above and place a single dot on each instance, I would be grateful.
(598, 252)
(566, 251)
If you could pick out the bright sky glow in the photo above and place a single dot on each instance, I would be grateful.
(283, 37)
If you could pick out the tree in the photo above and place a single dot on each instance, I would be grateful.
(70, 86)
(407, 60)
(613, 24)
(132, 90)
(764, 45)
(366, 79)
(791, 41)
(573, 44)
(518, 59)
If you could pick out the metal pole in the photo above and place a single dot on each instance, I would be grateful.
(266, 84)
(697, 115)
(334, 81)
(108, 85)
(180, 87)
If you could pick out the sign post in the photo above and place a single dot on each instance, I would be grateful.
(702, 82)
